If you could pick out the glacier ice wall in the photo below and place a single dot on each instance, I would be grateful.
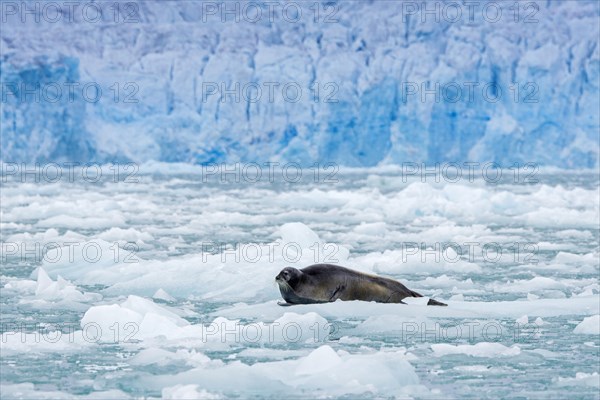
(357, 83)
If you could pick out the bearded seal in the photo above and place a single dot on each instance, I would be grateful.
(324, 283)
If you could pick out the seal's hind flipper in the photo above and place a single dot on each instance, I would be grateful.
(433, 302)
(284, 304)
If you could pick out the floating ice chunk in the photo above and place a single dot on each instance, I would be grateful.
(43, 281)
(473, 368)
(152, 356)
(585, 293)
(140, 319)
(60, 290)
(415, 260)
(443, 281)
(242, 276)
(321, 359)
(297, 232)
(104, 318)
(380, 372)
(581, 378)
(322, 372)
(108, 219)
(466, 309)
(17, 340)
(41, 237)
(561, 216)
(153, 325)
(301, 327)
(371, 229)
(574, 233)
(145, 306)
(289, 328)
(269, 353)
(188, 392)
(311, 248)
(125, 235)
(483, 349)
(522, 320)
(564, 257)
(589, 326)
(23, 286)
(92, 262)
(135, 318)
(390, 323)
(457, 297)
(545, 353)
(163, 295)
(158, 356)
(524, 286)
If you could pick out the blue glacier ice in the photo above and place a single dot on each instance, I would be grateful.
(378, 82)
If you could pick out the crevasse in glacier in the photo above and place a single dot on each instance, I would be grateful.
(356, 83)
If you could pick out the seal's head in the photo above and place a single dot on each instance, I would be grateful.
(288, 278)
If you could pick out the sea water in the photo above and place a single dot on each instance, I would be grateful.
(163, 286)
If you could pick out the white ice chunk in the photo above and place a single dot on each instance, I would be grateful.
(135, 318)
(483, 349)
(299, 233)
(522, 320)
(188, 392)
(581, 378)
(60, 290)
(319, 360)
(163, 295)
(457, 297)
(589, 326)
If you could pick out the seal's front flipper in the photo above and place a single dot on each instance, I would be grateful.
(336, 294)
(433, 302)
(284, 304)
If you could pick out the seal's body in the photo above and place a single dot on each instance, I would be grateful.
(323, 283)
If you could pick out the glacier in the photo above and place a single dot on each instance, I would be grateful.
(189, 313)
(355, 83)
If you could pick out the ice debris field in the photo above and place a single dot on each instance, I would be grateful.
(165, 288)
